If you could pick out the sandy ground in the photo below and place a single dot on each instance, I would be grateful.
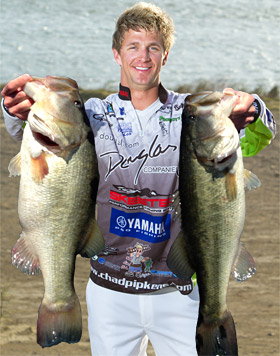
(254, 304)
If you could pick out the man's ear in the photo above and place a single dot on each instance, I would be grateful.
(165, 58)
(117, 56)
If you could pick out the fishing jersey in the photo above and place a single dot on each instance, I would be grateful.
(138, 158)
(138, 174)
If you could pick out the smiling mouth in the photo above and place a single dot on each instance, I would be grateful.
(142, 68)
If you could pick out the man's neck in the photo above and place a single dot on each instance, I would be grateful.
(141, 99)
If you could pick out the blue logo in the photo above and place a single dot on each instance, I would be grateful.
(125, 128)
(110, 108)
(140, 225)
(122, 111)
(121, 221)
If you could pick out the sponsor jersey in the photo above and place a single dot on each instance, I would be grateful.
(138, 168)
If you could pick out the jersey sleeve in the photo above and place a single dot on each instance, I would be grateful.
(259, 134)
(13, 124)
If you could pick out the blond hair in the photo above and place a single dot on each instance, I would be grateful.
(148, 17)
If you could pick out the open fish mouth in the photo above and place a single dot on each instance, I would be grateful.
(42, 133)
(45, 140)
(219, 159)
(224, 161)
(218, 162)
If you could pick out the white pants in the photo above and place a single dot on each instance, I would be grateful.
(120, 324)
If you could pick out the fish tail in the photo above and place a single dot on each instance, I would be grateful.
(59, 323)
(216, 338)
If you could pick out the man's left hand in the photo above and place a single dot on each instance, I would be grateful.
(243, 112)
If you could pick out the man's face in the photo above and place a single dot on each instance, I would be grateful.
(141, 58)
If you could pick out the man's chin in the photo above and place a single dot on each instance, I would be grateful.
(144, 84)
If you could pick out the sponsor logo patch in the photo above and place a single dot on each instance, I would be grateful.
(125, 128)
(122, 111)
(169, 119)
(131, 199)
(140, 225)
(117, 160)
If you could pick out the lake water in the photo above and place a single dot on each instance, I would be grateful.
(236, 42)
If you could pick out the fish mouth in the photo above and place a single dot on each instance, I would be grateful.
(221, 162)
(45, 140)
(42, 133)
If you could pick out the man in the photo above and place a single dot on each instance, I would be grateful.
(137, 136)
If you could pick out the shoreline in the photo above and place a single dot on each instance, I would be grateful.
(271, 97)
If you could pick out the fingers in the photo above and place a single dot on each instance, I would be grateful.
(20, 110)
(243, 120)
(244, 101)
(15, 99)
(16, 84)
(243, 112)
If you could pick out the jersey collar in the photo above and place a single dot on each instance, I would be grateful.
(124, 93)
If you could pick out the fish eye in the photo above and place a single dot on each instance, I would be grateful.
(191, 117)
(78, 104)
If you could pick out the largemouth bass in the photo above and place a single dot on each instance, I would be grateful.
(56, 206)
(212, 198)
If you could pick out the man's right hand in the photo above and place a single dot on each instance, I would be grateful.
(15, 99)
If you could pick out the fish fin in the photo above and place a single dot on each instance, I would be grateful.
(94, 241)
(177, 260)
(231, 186)
(176, 205)
(59, 322)
(250, 180)
(24, 256)
(216, 338)
(15, 166)
(39, 167)
(244, 265)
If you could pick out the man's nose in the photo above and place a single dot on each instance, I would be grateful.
(145, 54)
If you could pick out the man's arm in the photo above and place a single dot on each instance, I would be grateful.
(259, 134)
(13, 125)
(254, 122)
(16, 105)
